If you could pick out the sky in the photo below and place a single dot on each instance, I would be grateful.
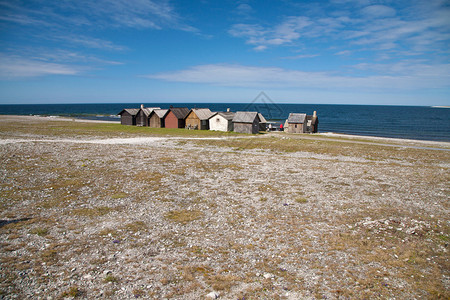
(377, 52)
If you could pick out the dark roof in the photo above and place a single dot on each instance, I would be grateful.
(245, 116)
(296, 118)
(180, 112)
(131, 111)
(202, 113)
(227, 115)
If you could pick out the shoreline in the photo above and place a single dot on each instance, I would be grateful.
(442, 144)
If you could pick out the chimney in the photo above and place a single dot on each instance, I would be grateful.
(228, 110)
(314, 114)
(142, 106)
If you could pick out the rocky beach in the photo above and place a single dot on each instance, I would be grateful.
(99, 210)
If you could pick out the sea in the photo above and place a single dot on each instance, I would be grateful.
(404, 122)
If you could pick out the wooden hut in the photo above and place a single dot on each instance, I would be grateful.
(312, 123)
(222, 121)
(175, 117)
(156, 118)
(128, 116)
(246, 122)
(198, 118)
(296, 123)
(143, 115)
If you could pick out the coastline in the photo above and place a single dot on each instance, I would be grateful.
(387, 140)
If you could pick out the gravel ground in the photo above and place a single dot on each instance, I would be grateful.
(182, 218)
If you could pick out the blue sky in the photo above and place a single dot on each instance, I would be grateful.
(337, 51)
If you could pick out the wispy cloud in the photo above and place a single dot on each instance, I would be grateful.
(139, 14)
(410, 77)
(379, 27)
(16, 67)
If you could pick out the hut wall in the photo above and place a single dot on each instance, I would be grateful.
(193, 121)
(141, 119)
(219, 123)
(295, 128)
(204, 125)
(155, 121)
(127, 119)
(171, 121)
(247, 127)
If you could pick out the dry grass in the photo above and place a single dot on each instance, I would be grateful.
(272, 218)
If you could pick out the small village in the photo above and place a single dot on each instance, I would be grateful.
(250, 122)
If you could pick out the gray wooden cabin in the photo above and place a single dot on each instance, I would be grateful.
(296, 123)
(246, 122)
(128, 116)
(143, 115)
(156, 118)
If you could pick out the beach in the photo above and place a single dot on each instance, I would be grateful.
(100, 210)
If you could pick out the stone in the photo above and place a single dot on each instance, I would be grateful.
(213, 295)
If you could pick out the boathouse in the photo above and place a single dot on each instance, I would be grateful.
(143, 115)
(128, 116)
(246, 122)
(175, 117)
(156, 118)
(296, 123)
(198, 118)
(221, 121)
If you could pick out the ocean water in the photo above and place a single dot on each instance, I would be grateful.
(407, 122)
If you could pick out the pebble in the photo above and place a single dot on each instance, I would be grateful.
(213, 295)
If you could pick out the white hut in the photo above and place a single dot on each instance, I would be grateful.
(221, 121)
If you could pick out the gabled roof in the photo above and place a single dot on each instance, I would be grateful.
(296, 118)
(180, 112)
(228, 115)
(261, 118)
(245, 116)
(202, 113)
(148, 110)
(131, 111)
(160, 112)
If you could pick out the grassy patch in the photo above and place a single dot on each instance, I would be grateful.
(39, 231)
(184, 216)
(73, 292)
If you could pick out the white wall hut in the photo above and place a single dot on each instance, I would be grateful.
(222, 121)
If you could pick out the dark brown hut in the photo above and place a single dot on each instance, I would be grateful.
(175, 117)
(198, 118)
(156, 118)
(143, 115)
(128, 116)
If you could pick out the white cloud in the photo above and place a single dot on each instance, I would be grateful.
(378, 11)
(15, 67)
(411, 77)
(416, 27)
